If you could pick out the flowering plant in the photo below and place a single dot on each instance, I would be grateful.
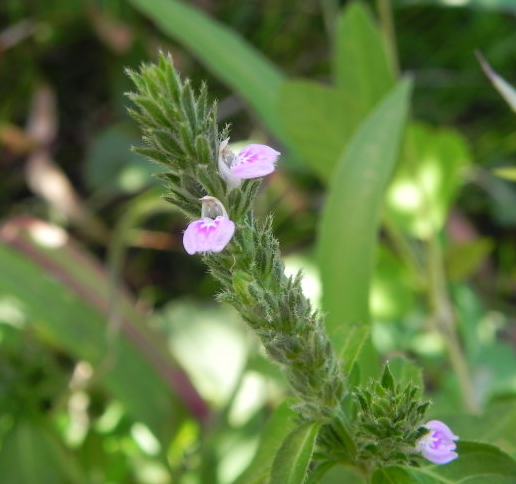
(366, 426)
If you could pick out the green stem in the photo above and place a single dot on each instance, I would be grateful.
(445, 322)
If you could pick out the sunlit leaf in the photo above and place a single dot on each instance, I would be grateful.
(428, 179)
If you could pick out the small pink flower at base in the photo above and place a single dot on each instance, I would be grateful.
(254, 161)
(208, 235)
(438, 445)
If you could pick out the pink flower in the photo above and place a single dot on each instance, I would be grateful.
(254, 161)
(212, 232)
(208, 235)
(438, 445)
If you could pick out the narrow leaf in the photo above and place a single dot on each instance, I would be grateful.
(291, 462)
(501, 85)
(348, 232)
(362, 65)
(280, 424)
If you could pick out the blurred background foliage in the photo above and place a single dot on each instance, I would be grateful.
(116, 366)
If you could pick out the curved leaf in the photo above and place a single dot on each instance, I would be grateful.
(348, 231)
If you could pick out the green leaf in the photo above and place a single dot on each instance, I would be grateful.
(463, 259)
(319, 121)
(476, 464)
(348, 232)
(30, 454)
(67, 296)
(496, 425)
(362, 65)
(406, 372)
(393, 287)
(111, 165)
(507, 173)
(354, 340)
(291, 462)
(223, 51)
(427, 179)
(280, 425)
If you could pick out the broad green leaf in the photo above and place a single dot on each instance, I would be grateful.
(223, 51)
(30, 454)
(496, 425)
(501, 85)
(427, 179)
(290, 465)
(348, 231)
(476, 464)
(319, 121)
(67, 297)
(280, 425)
(362, 65)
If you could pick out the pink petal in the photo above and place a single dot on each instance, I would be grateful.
(254, 161)
(438, 426)
(208, 235)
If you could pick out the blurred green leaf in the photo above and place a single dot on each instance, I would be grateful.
(362, 66)
(462, 260)
(393, 288)
(507, 173)
(319, 121)
(496, 425)
(342, 475)
(223, 51)
(427, 179)
(476, 464)
(279, 426)
(67, 296)
(30, 454)
(354, 340)
(348, 231)
(406, 372)
(290, 465)
(110, 164)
